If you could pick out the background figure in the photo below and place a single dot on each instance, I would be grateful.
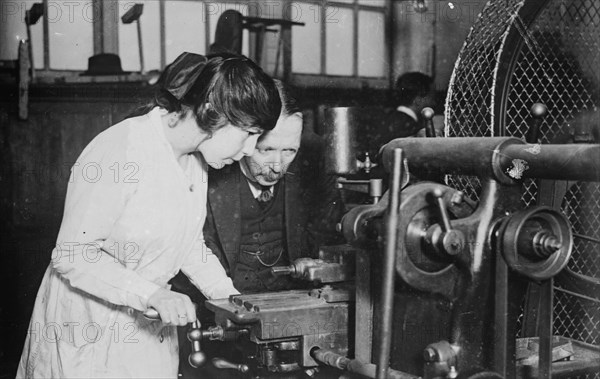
(122, 238)
(413, 92)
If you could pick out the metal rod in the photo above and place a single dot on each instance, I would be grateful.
(560, 162)
(46, 37)
(586, 238)
(29, 47)
(389, 268)
(439, 197)
(139, 31)
(545, 330)
(502, 158)
(341, 362)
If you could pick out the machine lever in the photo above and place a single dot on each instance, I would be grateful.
(452, 241)
(223, 364)
(538, 111)
(427, 114)
(197, 358)
(443, 211)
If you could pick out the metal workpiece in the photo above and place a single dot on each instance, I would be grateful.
(505, 159)
(316, 270)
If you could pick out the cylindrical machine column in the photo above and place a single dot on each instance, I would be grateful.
(340, 134)
(503, 158)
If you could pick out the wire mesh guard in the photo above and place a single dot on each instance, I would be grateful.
(519, 53)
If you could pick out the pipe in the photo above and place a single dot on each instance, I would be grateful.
(497, 157)
(558, 162)
(338, 361)
(389, 268)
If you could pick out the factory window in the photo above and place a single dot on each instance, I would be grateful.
(340, 39)
(177, 26)
(61, 39)
(69, 32)
(68, 50)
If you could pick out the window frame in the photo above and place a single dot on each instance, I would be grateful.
(322, 79)
(106, 39)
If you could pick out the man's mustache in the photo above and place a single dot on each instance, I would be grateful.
(268, 168)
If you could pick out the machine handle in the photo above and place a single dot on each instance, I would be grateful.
(452, 241)
(223, 364)
(197, 358)
(438, 194)
(152, 314)
(538, 111)
(427, 114)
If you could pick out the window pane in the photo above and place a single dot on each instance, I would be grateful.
(184, 29)
(373, 3)
(214, 10)
(12, 30)
(128, 38)
(70, 28)
(306, 40)
(339, 33)
(371, 50)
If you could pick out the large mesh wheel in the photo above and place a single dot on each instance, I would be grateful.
(519, 53)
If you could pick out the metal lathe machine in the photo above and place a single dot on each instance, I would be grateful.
(492, 272)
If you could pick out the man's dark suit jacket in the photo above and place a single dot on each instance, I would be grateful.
(312, 209)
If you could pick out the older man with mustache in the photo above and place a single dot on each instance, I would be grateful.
(283, 206)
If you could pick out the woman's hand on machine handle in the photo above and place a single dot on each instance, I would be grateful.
(174, 308)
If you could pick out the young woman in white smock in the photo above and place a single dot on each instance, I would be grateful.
(134, 212)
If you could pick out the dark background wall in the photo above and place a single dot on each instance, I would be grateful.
(36, 156)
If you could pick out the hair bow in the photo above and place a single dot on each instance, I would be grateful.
(181, 75)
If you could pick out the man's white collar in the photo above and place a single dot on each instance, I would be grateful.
(408, 111)
(254, 187)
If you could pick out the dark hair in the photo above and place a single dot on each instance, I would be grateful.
(411, 85)
(229, 89)
(289, 106)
